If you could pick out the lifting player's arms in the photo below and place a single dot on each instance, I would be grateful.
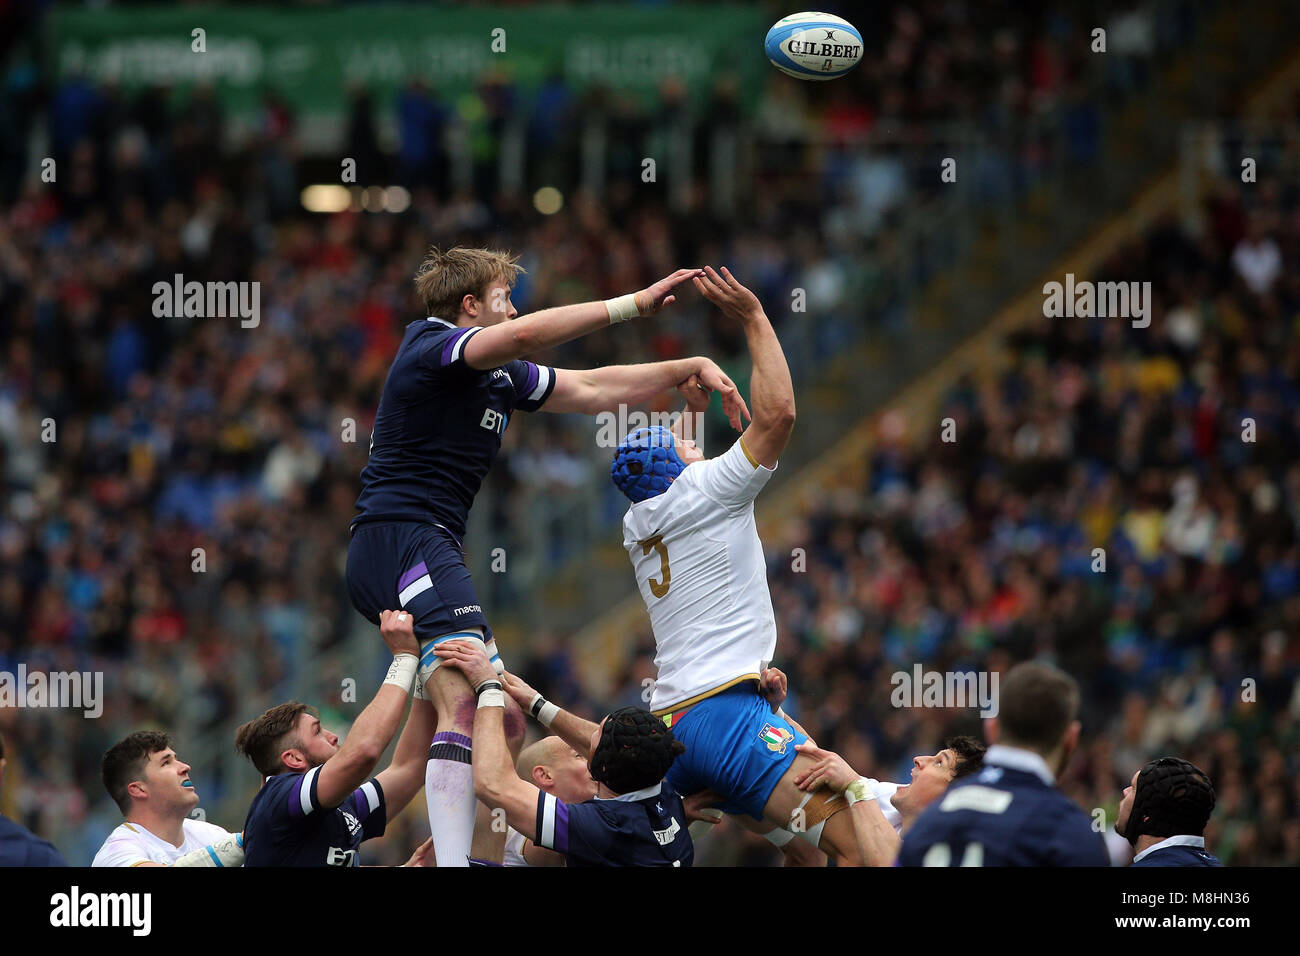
(635, 819)
(318, 801)
(456, 380)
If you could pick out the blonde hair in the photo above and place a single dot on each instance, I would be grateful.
(445, 278)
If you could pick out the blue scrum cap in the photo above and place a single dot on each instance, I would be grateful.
(646, 463)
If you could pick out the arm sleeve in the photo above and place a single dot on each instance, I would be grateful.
(446, 349)
(300, 798)
(574, 830)
(533, 384)
(733, 479)
(369, 808)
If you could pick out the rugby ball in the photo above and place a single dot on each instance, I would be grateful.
(813, 46)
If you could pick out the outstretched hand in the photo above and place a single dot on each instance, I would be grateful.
(728, 294)
(653, 298)
(714, 379)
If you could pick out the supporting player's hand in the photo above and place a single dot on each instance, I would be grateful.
(772, 686)
(696, 395)
(728, 295)
(699, 807)
(518, 690)
(423, 854)
(653, 298)
(830, 770)
(467, 658)
(715, 379)
(397, 628)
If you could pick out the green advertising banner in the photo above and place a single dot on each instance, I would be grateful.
(312, 56)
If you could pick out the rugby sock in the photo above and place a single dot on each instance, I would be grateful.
(449, 789)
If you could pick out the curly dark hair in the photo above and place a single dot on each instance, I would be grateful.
(970, 755)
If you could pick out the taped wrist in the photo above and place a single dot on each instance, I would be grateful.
(401, 673)
(543, 710)
(861, 789)
(622, 308)
(223, 853)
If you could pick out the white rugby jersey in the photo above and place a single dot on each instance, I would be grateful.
(882, 792)
(699, 565)
(131, 844)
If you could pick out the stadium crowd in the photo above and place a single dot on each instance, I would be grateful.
(171, 434)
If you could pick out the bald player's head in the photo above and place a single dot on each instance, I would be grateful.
(556, 768)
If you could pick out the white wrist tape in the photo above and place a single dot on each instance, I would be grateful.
(543, 710)
(227, 852)
(492, 697)
(622, 308)
(402, 671)
(861, 789)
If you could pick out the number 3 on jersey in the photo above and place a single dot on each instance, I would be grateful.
(656, 543)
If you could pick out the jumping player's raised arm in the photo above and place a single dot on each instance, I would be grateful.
(596, 390)
(504, 342)
(770, 389)
(369, 737)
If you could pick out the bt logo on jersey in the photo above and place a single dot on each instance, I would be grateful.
(493, 421)
(340, 857)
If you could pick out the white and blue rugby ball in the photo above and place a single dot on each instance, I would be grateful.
(813, 46)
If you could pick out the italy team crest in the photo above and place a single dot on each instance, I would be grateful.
(776, 738)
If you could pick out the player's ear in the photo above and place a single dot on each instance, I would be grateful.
(991, 730)
(138, 790)
(469, 305)
(1072, 736)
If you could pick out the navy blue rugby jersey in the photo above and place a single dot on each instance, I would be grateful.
(1008, 814)
(287, 826)
(1177, 851)
(643, 828)
(439, 426)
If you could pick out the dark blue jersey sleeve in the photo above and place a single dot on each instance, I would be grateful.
(445, 349)
(575, 830)
(533, 384)
(367, 804)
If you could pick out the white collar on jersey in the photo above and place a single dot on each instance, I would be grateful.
(434, 318)
(637, 794)
(1001, 755)
(1185, 840)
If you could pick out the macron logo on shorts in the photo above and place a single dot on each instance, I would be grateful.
(468, 609)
